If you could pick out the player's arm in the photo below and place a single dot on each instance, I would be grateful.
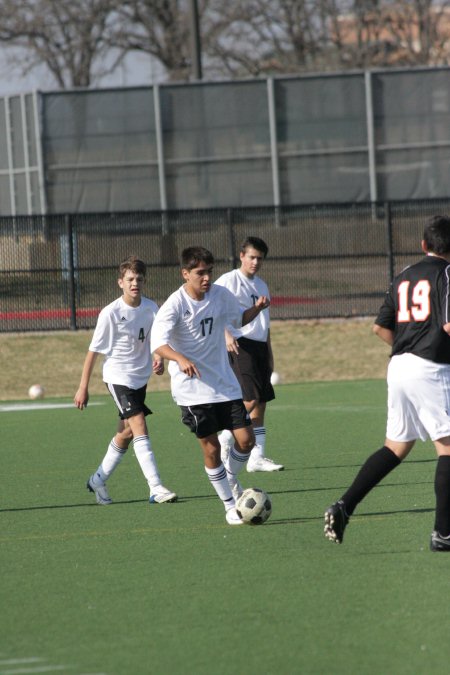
(184, 364)
(446, 327)
(252, 312)
(386, 334)
(81, 398)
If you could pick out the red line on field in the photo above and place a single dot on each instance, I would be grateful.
(293, 300)
(278, 300)
(46, 314)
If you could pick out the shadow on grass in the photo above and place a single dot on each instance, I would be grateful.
(358, 466)
(309, 519)
(188, 498)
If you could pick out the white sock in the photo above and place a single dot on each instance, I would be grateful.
(226, 437)
(259, 449)
(236, 461)
(219, 481)
(146, 458)
(110, 462)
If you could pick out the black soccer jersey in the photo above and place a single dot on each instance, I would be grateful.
(416, 307)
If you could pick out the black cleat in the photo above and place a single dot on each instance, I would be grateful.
(336, 520)
(439, 543)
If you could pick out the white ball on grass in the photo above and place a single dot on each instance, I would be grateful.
(254, 506)
(275, 378)
(36, 391)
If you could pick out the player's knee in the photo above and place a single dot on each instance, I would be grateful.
(124, 438)
(246, 445)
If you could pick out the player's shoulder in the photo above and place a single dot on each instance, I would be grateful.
(148, 304)
(227, 278)
(111, 307)
(219, 291)
(426, 266)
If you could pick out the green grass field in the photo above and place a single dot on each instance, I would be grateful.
(137, 589)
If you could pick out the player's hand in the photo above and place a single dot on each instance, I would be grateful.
(158, 366)
(231, 343)
(81, 398)
(187, 367)
(262, 302)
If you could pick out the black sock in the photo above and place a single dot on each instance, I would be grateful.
(442, 492)
(374, 469)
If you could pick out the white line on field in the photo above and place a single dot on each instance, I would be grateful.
(21, 407)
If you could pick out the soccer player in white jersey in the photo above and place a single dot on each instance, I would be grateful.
(122, 336)
(250, 351)
(189, 332)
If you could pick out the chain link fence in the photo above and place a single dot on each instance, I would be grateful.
(57, 272)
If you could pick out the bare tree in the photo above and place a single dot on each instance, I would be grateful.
(70, 37)
(159, 28)
(79, 41)
(254, 37)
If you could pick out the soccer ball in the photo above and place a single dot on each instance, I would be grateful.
(36, 391)
(275, 378)
(254, 506)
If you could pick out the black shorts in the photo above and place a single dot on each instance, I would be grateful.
(252, 369)
(130, 402)
(209, 418)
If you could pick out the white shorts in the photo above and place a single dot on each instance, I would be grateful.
(418, 399)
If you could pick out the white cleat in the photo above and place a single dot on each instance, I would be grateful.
(263, 464)
(232, 517)
(100, 491)
(161, 495)
(226, 440)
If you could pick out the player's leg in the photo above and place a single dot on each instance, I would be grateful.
(147, 461)
(258, 460)
(375, 468)
(239, 421)
(406, 396)
(114, 454)
(217, 476)
(440, 538)
(251, 367)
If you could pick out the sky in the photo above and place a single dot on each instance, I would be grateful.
(136, 70)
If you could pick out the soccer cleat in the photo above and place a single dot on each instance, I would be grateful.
(161, 495)
(226, 440)
(336, 520)
(100, 491)
(263, 464)
(232, 517)
(438, 542)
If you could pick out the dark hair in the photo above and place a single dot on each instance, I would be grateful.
(134, 264)
(193, 255)
(437, 235)
(257, 243)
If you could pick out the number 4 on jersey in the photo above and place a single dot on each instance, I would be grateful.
(420, 301)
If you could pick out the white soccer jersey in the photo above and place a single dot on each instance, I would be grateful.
(122, 334)
(195, 329)
(247, 291)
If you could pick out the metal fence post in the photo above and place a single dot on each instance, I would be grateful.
(274, 149)
(160, 155)
(370, 116)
